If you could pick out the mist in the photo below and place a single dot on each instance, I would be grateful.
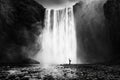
(97, 27)
(93, 41)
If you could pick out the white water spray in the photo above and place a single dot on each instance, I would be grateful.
(58, 38)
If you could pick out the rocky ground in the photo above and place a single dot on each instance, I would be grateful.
(60, 72)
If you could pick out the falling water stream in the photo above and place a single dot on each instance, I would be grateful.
(58, 38)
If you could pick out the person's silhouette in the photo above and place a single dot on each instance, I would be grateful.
(69, 61)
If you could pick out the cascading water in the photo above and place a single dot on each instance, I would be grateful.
(58, 38)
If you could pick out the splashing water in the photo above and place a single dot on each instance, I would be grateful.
(59, 37)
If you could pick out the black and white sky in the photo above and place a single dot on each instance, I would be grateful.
(57, 3)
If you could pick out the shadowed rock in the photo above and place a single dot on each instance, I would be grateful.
(20, 24)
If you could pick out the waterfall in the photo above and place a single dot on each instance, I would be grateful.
(58, 39)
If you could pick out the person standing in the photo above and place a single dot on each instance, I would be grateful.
(69, 61)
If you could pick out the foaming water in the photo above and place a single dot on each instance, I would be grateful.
(58, 39)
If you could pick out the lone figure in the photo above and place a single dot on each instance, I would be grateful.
(69, 61)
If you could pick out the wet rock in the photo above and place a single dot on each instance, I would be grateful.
(112, 14)
(20, 24)
(48, 77)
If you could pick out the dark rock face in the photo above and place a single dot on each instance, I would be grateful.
(112, 14)
(93, 39)
(20, 25)
(98, 31)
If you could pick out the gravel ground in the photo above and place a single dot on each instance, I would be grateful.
(60, 72)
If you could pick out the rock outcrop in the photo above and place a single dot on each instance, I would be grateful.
(20, 24)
